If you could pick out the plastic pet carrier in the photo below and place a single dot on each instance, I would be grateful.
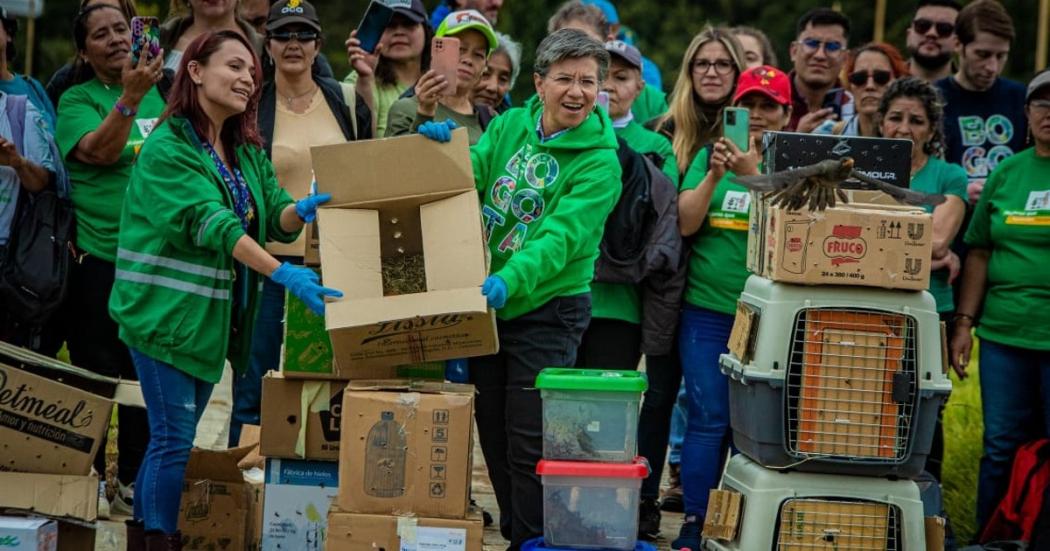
(817, 512)
(834, 379)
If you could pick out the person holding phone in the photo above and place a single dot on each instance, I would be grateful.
(102, 123)
(715, 210)
(434, 97)
(402, 55)
(202, 202)
(298, 109)
(818, 52)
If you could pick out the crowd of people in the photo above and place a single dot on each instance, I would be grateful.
(191, 182)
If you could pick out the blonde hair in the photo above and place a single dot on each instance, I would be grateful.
(691, 125)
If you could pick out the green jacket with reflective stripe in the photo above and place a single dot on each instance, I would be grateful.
(175, 268)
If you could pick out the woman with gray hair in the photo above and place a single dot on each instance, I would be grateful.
(548, 177)
(500, 75)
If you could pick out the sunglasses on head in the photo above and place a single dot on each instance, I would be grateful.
(301, 36)
(922, 26)
(860, 78)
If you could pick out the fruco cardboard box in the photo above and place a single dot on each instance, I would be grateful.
(405, 533)
(48, 427)
(411, 196)
(300, 418)
(854, 244)
(406, 448)
(295, 510)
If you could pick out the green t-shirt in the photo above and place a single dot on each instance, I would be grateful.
(98, 191)
(939, 176)
(621, 301)
(651, 103)
(384, 96)
(1012, 220)
(718, 263)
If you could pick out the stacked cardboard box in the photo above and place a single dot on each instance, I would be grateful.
(364, 359)
(841, 382)
(49, 435)
(405, 467)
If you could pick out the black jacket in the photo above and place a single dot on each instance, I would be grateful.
(333, 95)
(642, 245)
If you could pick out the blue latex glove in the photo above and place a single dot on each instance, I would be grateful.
(438, 131)
(307, 208)
(457, 371)
(304, 284)
(495, 290)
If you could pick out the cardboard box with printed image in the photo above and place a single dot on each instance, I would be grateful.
(853, 244)
(297, 497)
(406, 448)
(405, 533)
(405, 245)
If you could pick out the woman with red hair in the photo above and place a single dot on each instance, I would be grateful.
(202, 201)
(869, 71)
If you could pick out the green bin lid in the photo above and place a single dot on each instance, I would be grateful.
(595, 380)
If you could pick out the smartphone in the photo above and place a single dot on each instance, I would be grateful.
(444, 60)
(833, 99)
(603, 100)
(736, 122)
(145, 37)
(372, 25)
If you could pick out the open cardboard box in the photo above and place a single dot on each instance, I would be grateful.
(218, 506)
(427, 206)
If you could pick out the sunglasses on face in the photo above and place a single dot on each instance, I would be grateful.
(301, 36)
(860, 78)
(922, 26)
(831, 47)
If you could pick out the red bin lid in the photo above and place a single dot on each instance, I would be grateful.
(639, 468)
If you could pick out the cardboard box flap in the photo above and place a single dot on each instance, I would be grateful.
(451, 242)
(411, 385)
(350, 247)
(70, 375)
(218, 465)
(369, 311)
(392, 167)
(50, 495)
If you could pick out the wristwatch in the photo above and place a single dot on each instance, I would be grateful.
(125, 110)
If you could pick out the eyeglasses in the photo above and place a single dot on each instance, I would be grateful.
(923, 26)
(585, 84)
(301, 36)
(1039, 107)
(722, 66)
(860, 78)
(831, 47)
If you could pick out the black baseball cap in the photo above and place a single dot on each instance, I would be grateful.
(286, 12)
(412, 9)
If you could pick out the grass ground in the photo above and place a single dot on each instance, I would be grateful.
(962, 442)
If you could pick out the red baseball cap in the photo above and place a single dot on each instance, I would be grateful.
(772, 82)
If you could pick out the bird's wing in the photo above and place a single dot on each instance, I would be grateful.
(777, 180)
(901, 194)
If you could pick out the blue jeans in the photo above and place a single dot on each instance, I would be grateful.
(1015, 386)
(678, 423)
(175, 401)
(702, 336)
(267, 337)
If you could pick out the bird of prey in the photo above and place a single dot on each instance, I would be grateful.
(819, 185)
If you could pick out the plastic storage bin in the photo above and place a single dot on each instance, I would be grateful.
(808, 511)
(590, 414)
(843, 380)
(591, 505)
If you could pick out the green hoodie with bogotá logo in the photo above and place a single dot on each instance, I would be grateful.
(544, 204)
